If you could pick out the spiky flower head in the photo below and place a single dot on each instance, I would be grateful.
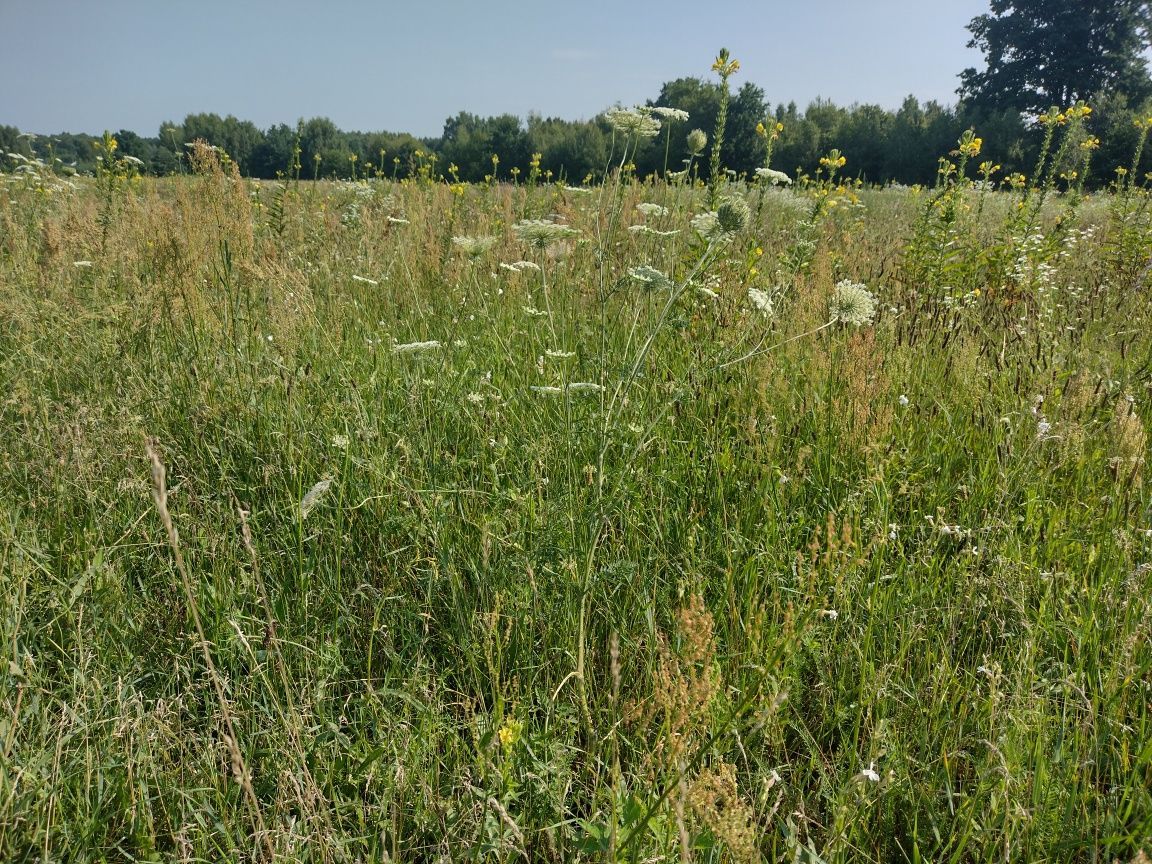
(632, 121)
(852, 303)
(697, 141)
(474, 247)
(540, 233)
(732, 215)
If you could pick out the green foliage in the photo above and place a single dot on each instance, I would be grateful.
(646, 550)
(1041, 53)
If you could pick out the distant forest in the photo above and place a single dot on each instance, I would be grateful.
(881, 145)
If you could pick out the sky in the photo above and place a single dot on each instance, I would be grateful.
(90, 65)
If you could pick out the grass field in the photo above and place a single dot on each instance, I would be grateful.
(423, 522)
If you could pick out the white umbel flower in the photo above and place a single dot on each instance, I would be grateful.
(852, 303)
(416, 347)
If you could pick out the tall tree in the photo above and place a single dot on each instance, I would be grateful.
(1042, 53)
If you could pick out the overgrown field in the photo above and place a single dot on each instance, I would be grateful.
(375, 522)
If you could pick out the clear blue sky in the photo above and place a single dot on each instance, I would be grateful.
(89, 65)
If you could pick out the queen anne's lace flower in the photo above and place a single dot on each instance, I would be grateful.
(632, 121)
(852, 303)
(541, 233)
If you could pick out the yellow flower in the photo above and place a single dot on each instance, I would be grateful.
(510, 733)
(1090, 143)
(760, 130)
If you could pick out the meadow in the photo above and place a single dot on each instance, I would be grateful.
(629, 521)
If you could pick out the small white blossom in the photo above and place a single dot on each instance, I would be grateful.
(416, 347)
(474, 247)
(650, 277)
(773, 176)
(762, 300)
(670, 113)
(652, 209)
(632, 121)
(541, 233)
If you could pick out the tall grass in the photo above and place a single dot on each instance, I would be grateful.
(325, 538)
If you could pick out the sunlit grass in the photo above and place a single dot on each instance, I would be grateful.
(810, 528)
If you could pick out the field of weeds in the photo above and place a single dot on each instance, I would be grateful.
(647, 521)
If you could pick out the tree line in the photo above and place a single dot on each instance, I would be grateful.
(882, 146)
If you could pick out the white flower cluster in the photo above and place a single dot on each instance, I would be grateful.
(852, 303)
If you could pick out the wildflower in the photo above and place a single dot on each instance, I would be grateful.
(416, 347)
(970, 145)
(833, 159)
(533, 312)
(584, 387)
(644, 229)
(312, 496)
(773, 176)
(578, 189)
(762, 300)
(830, 614)
(509, 733)
(559, 355)
(549, 391)
(474, 247)
(903, 400)
(364, 279)
(396, 220)
(520, 266)
(631, 121)
(706, 224)
(869, 773)
(81, 263)
(540, 233)
(697, 141)
(732, 215)
(669, 113)
(852, 303)
(650, 276)
(340, 442)
(652, 209)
